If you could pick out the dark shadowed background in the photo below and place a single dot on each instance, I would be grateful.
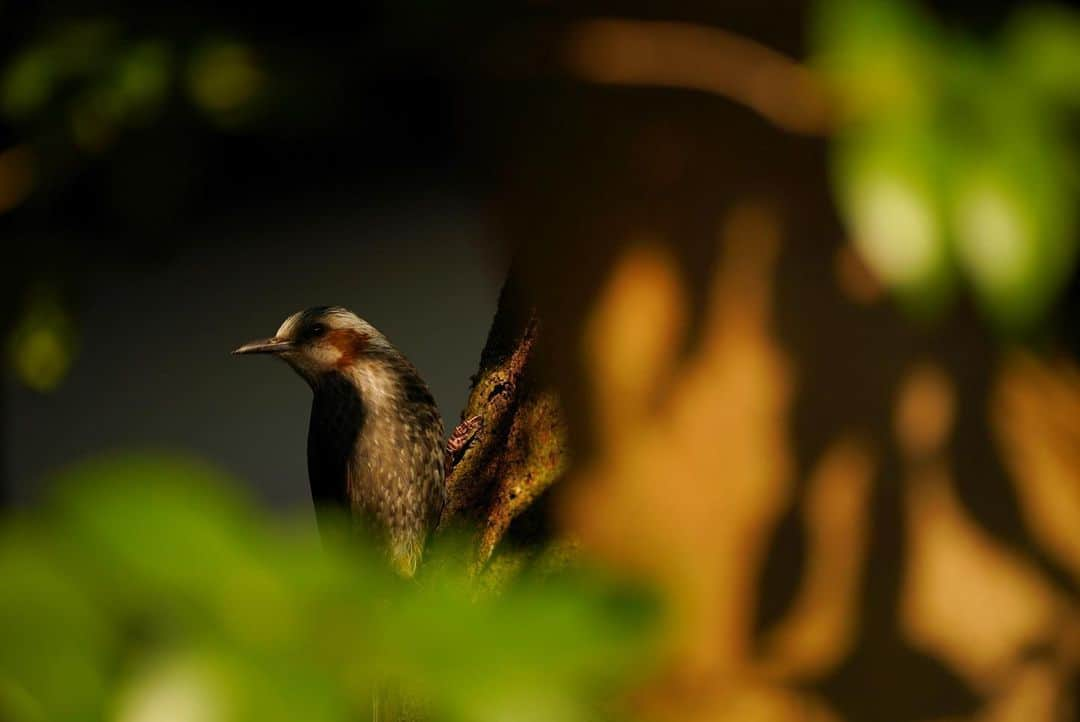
(321, 159)
(154, 368)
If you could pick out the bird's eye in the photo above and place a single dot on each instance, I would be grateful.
(317, 329)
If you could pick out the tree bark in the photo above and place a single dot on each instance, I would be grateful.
(518, 449)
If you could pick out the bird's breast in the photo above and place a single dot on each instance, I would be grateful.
(375, 448)
(338, 418)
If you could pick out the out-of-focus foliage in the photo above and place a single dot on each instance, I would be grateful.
(101, 80)
(149, 591)
(89, 94)
(224, 79)
(72, 95)
(952, 158)
(42, 346)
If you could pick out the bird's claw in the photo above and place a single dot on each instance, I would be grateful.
(460, 438)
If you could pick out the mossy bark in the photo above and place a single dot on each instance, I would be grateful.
(519, 446)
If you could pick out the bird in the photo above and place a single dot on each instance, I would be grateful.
(375, 434)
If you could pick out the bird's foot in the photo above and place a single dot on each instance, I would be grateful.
(460, 439)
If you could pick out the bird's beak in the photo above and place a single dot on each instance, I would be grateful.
(265, 345)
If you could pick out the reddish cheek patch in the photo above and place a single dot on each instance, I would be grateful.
(349, 343)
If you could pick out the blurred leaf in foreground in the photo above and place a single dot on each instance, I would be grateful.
(150, 587)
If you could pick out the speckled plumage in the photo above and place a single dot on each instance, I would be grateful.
(375, 435)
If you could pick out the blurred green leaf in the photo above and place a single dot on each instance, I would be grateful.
(224, 80)
(1043, 45)
(142, 77)
(42, 345)
(186, 687)
(54, 643)
(1014, 216)
(878, 56)
(168, 592)
(29, 82)
(952, 161)
(889, 184)
(74, 50)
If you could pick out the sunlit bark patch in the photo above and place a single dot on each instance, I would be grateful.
(924, 412)
(819, 630)
(1036, 414)
(690, 477)
(968, 598)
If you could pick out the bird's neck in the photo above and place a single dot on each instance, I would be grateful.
(372, 380)
(360, 399)
(355, 423)
(334, 392)
(337, 421)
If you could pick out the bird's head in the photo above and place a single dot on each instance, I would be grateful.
(321, 340)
